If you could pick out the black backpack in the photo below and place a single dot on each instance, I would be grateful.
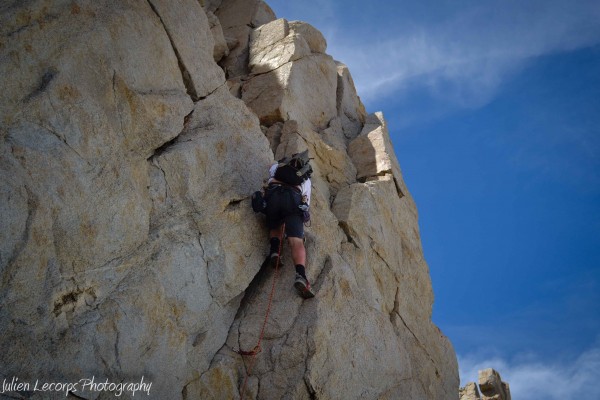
(294, 170)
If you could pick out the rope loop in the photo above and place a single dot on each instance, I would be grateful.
(257, 349)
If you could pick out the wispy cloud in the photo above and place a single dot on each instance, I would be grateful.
(466, 57)
(531, 378)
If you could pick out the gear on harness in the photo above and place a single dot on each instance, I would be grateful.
(304, 210)
(258, 202)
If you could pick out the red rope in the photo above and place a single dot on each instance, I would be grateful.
(257, 349)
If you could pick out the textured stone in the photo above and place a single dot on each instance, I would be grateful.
(219, 382)
(303, 90)
(287, 68)
(262, 14)
(187, 27)
(273, 133)
(333, 135)
(278, 42)
(271, 46)
(104, 268)
(373, 154)
(351, 111)
(238, 17)
(210, 5)
(221, 48)
(469, 392)
(315, 40)
(333, 167)
(492, 387)
(128, 246)
(234, 13)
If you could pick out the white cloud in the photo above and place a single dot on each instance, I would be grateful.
(465, 58)
(533, 379)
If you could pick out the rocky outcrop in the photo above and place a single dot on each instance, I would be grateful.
(238, 18)
(290, 81)
(220, 48)
(351, 111)
(373, 154)
(128, 247)
(491, 385)
(187, 28)
(469, 392)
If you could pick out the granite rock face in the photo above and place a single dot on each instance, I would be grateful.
(127, 244)
(289, 81)
(238, 18)
(469, 392)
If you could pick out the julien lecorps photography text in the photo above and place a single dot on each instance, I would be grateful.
(14, 384)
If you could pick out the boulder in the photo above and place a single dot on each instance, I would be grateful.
(373, 154)
(271, 46)
(273, 133)
(221, 48)
(492, 387)
(333, 135)
(469, 392)
(302, 90)
(350, 109)
(210, 5)
(262, 14)
(315, 39)
(238, 18)
(235, 13)
(188, 30)
(279, 42)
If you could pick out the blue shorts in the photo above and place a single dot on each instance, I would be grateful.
(282, 207)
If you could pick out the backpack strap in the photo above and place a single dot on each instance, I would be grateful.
(293, 174)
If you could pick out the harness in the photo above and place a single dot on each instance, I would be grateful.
(274, 185)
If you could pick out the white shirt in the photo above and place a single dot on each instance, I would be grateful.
(304, 186)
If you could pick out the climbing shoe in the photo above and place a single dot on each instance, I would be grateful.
(273, 260)
(303, 287)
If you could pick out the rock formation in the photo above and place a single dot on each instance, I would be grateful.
(491, 385)
(127, 244)
(469, 392)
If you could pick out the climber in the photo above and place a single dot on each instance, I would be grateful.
(286, 201)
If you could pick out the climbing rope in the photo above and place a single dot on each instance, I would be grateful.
(257, 349)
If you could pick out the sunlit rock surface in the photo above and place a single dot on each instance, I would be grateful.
(128, 247)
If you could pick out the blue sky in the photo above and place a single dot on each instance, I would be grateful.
(494, 111)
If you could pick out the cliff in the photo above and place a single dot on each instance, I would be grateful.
(132, 136)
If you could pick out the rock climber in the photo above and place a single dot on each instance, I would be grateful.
(287, 201)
